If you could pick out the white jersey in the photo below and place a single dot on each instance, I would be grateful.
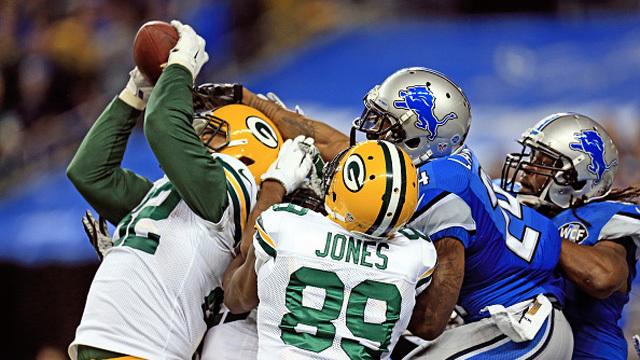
(326, 293)
(159, 285)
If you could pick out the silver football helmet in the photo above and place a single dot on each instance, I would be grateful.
(567, 159)
(419, 109)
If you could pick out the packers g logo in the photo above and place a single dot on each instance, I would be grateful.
(353, 173)
(262, 131)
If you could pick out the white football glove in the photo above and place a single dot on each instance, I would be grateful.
(276, 99)
(189, 51)
(97, 233)
(137, 91)
(314, 179)
(292, 165)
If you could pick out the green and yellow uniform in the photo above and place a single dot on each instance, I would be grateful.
(328, 293)
(156, 288)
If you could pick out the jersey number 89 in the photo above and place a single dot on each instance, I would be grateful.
(312, 329)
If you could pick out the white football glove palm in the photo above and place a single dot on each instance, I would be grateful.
(189, 51)
(137, 91)
(292, 165)
(97, 233)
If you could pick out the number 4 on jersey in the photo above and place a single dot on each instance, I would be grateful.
(423, 178)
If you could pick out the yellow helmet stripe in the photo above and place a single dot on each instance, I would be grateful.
(391, 203)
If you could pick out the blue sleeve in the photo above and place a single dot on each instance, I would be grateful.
(442, 211)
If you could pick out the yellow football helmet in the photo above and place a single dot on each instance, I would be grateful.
(371, 188)
(242, 132)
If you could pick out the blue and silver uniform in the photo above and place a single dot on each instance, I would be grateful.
(510, 250)
(597, 334)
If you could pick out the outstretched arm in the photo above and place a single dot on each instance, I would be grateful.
(329, 141)
(599, 270)
(198, 178)
(95, 169)
(434, 306)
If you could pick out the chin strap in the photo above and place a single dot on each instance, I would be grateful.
(352, 136)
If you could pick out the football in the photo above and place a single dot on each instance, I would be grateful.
(151, 47)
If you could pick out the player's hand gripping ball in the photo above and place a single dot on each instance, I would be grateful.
(151, 48)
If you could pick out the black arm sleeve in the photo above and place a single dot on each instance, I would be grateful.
(198, 178)
(95, 169)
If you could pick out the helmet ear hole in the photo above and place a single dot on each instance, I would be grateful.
(579, 185)
(333, 195)
(412, 143)
(247, 161)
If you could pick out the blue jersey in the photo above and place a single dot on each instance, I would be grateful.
(511, 251)
(595, 322)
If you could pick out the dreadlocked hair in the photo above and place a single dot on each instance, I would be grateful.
(630, 194)
(306, 198)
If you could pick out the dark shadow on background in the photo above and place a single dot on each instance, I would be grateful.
(42, 306)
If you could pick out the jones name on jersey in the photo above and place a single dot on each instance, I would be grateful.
(328, 293)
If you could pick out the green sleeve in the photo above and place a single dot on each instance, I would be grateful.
(198, 178)
(95, 169)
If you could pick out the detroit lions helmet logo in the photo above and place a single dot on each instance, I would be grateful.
(590, 143)
(421, 101)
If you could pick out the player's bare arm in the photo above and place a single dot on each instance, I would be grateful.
(329, 141)
(271, 192)
(598, 270)
(434, 306)
(241, 286)
(95, 169)
(285, 175)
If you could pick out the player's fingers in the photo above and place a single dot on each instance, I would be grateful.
(103, 225)
(89, 226)
(276, 99)
(86, 224)
(286, 145)
(309, 141)
(307, 163)
(178, 25)
(90, 216)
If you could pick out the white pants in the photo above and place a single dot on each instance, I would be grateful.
(483, 340)
(232, 340)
